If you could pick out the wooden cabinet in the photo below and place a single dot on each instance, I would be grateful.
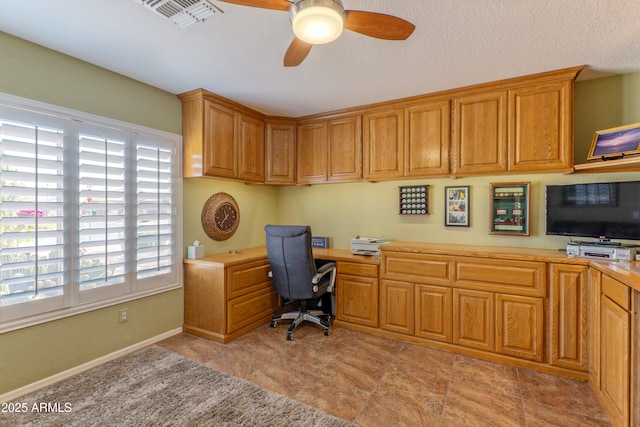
(221, 138)
(568, 315)
(357, 293)
(226, 296)
(397, 306)
(474, 319)
(330, 150)
(250, 143)
(434, 313)
(518, 125)
(480, 133)
(615, 350)
(541, 127)
(280, 152)
(344, 149)
(611, 379)
(312, 153)
(595, 279)
(219, 150)
(487, 303)
(384, 144)
(510, 126)
(427, 139)
(520, 326)
(407, 142)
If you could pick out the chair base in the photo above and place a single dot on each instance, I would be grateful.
(298, 317)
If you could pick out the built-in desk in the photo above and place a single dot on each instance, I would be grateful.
(229, 294)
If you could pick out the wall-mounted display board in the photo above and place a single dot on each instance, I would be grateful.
(414, 200)
(509, 204)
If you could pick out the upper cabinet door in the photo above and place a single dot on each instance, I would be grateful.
(312, 153)
(540, 127)
(250, 148)
(219, 141)
(345, 149)
(480, 133)
(384, 144)
(427, 140)
(280, 156)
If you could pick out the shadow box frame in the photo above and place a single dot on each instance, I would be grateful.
(509, 208)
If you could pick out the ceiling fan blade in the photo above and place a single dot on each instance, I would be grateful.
(378, 25)
(263, 4)
(297, 52)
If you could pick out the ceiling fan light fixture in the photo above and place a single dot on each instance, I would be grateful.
(317, 21)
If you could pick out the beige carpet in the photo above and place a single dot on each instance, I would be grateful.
(156, 387)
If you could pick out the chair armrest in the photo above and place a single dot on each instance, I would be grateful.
(322, 271)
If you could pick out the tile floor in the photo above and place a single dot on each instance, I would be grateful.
(374, 381)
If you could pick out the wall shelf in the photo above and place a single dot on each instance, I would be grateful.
(628, 164)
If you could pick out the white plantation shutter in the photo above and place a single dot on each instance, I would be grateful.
(88, 212)
(31, 210)
(102, 214)
(155, 221)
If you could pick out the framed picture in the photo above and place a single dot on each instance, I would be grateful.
(615, 142)
(456, 202)
(509, 208)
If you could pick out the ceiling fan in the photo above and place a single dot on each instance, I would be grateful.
(322, 21)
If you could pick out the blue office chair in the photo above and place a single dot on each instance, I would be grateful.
(296, 276)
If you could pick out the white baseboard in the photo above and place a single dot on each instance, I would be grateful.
(14, 394)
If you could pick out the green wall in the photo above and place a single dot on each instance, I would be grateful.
(339, 211)
(31, 71)
(37, 352)
(257, 203)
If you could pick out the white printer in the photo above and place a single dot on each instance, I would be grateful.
(367, 245)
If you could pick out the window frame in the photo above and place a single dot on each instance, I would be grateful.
(72, 302)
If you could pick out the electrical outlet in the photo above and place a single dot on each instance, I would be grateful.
(123, 315)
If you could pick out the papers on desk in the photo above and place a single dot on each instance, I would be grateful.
(367, 245)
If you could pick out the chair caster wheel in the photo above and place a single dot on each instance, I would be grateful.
(289, 336)
(326, 332)
(273, 324)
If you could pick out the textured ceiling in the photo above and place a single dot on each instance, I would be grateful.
(238, 54)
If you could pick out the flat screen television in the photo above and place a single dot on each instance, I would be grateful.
(609, 210)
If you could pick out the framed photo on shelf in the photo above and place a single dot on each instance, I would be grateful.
(509, 208)
(456, 202)
(615, 142)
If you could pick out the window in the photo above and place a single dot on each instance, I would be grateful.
(88, 212)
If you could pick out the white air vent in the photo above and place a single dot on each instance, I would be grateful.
(182, 12)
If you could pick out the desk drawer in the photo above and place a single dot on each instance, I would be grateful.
(249, 277)
(417, 268)
(250, 308)
(356, 269)
(526, 278)
(616, 291)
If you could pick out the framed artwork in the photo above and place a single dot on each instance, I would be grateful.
(456, 202)
(615, 142)
(413, 200)
(509, 208)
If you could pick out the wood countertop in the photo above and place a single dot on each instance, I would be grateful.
(482, 251)
(626, 272)
(228, 259)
